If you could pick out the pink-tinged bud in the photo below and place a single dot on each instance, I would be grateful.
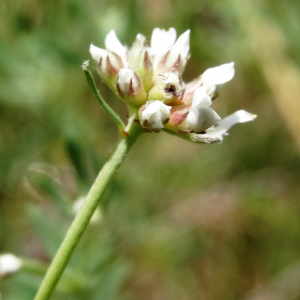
(109, 64)
(178, 115)
(111, 59)
(130, 88)
(154, 115)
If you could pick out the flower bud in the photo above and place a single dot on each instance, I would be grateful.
(168, 89)
(154, 115)
(9, 264)
(109, 64)
(140, 61)
(130, 89)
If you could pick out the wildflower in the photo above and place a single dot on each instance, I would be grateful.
(148, 79)
(9, 264)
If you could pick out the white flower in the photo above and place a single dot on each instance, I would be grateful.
(201, 116)
(216, 133)
(155, 115)
(166, 54)
(214, 78)
(9, 264)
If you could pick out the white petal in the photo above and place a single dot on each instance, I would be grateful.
(218, 75)
(200, 98)
(97, 53)
(156, 113)
(182, 46)
(240, 116)
(201, 118)
(162, 40)
(113, 44)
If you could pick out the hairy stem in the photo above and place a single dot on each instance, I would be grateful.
(83, 217)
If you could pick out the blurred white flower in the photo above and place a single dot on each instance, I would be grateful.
(9, 264)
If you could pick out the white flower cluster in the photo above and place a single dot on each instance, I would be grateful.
(148, 78)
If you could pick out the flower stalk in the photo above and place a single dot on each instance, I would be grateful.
(148, 80)
(87, 210)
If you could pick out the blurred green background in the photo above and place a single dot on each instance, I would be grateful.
(180, 221)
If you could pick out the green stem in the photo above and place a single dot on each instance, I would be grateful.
(98, 97)
(87, 210)
(70, 281)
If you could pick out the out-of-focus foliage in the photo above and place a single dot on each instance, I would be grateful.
(180, 221)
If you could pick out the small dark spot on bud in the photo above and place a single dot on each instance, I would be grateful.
(125, 133)
(136, 121)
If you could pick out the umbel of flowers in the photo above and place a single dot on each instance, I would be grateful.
(148, 79)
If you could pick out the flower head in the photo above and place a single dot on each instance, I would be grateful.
(148, 79)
